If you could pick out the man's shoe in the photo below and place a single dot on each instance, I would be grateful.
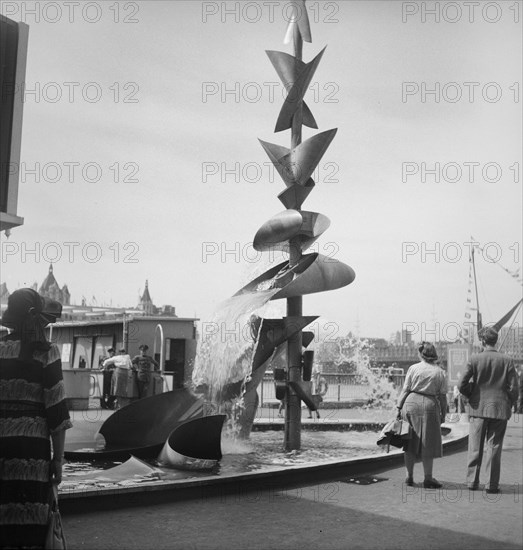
(493, 491)
(473, 487)
(409, 481)
(432, 484)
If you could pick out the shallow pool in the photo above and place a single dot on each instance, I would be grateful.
(262, 452)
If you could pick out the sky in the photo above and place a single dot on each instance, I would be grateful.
(141, 161)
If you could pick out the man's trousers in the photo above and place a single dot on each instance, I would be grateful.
(491, 430)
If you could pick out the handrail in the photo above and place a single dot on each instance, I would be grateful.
(162, 365)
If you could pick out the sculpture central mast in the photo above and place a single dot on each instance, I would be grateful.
(295, 230)
(292, 433)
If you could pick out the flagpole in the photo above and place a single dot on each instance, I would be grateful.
(478, 314)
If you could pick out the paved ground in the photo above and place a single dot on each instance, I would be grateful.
(327, 515)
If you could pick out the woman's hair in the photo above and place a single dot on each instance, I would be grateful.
(428, 352)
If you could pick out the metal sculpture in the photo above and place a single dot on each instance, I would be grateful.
(294, 229)
(144, 427)
(149, 421)
(194, 445)
(170, 419)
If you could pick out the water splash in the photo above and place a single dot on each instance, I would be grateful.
(224, 358)
(355, 351)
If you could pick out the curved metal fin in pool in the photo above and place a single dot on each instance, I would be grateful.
(149, 421)
(194, 445)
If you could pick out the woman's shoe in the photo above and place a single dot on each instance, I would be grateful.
(432, 484)
(409, 481)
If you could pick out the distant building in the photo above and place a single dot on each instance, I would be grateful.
(51, 289)
(91, 312)
(406, 337)
(147, 306)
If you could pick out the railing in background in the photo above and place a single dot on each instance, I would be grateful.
(96, 382)
(341, 387)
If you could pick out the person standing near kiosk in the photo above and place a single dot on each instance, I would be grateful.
(144, 365)
(121, 382)
(107, 400)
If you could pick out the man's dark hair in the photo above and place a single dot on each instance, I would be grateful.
(489, 336)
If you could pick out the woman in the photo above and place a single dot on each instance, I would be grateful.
(423, 403)
(33, 413)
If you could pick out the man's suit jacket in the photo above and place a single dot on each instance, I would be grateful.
(493, 380)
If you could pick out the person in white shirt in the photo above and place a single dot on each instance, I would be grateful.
(123, 374)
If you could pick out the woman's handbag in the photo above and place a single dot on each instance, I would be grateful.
(396, 433)
(55, 538)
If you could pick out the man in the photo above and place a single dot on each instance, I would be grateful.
(144, 365)
(490, 385)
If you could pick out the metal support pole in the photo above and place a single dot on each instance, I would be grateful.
(125, 333)
(292, 436)
(159, 329)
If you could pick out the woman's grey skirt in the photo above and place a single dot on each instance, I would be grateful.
(423, 414)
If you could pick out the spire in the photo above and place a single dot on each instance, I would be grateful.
(146, 303)
(146, 297)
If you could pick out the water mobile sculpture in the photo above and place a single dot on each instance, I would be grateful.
(292, 231)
